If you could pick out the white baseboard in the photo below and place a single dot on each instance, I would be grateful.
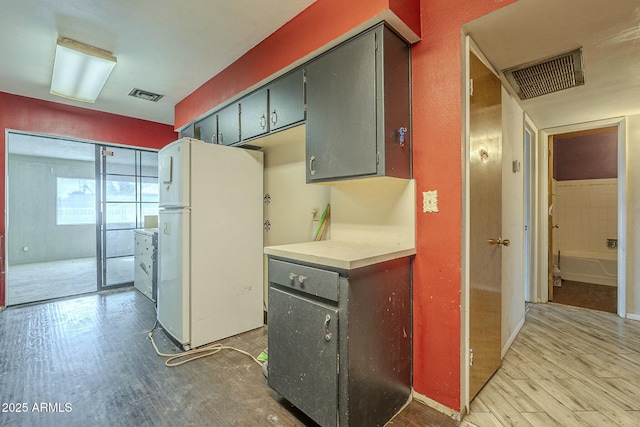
(633, 316)
(437, 406)
(513, 336)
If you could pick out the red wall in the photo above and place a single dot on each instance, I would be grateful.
(32, 115)
(437, 150)
(437, 157)
(436, 73)
(313, 28)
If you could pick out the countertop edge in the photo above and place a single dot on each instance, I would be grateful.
(348, 263)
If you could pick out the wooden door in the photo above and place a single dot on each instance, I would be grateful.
(486, 243)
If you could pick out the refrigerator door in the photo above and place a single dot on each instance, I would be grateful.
(173, 174)
(173, 274)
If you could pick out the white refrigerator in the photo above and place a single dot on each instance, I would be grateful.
(210, 260)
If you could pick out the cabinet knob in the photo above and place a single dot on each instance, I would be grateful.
(263, 121)
(274, 117)
(220, 138)
(300, 277)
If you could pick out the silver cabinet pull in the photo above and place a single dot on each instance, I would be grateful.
(220, 138)
(274, 117)
(263, 121)
(327, 334)
(311, 162)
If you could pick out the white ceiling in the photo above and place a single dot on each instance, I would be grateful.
(608, 33)
(172, 47)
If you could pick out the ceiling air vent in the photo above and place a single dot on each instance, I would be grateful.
(143, 94)
(547, 76)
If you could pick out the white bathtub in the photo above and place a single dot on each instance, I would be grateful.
(601, 269)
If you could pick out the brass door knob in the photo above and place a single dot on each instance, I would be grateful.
(499, 241)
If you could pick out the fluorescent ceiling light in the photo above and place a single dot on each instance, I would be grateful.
(80, 71)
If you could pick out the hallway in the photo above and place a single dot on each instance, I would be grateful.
(567, 367)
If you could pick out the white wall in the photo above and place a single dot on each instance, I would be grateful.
(633, 217)
(586, 212)
(292, 202)
(512, 220)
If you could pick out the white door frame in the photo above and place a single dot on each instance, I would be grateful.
(530, 168)
(542, 291)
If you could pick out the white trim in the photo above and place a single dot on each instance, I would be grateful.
(543, 268)
(437, 406)
(532, 169)
(467, 46)
(513, 336)
(632, 316)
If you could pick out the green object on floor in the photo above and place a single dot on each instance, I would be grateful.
(262, 357)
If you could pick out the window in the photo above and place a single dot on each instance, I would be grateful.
(76, 201)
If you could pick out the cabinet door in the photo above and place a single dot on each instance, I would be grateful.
(188, 132)
(253, 115)
(286, 100)
(341, 111)
(229, 125)
(303, 354)
(207, 129)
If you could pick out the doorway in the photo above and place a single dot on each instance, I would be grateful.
(583, 218)
(62, 229)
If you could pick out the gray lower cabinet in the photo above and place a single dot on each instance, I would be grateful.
(358, 109)
(340, 340)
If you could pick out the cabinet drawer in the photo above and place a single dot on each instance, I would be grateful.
(314, 281)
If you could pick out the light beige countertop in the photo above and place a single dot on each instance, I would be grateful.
(340, 254)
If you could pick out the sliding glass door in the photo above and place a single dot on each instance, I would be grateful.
(128, 192)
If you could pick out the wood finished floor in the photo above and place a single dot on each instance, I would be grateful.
(567, 367)
(93, 353)
(587, 295)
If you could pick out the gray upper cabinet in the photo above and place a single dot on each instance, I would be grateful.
(358, 109)
(254, 119)
(188, 132)
(273, 107)
(207, 129)
(221, 127)
(229, 125)
(286, 100)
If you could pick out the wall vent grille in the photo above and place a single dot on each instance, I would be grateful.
(547, 76)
